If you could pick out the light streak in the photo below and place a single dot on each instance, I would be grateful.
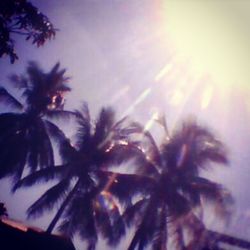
(151, 121)
(177, 98)
(206, 96)
(139, 99)
(166, 69)
(120, 94)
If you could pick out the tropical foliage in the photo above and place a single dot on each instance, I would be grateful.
(87, 190)
(22, 18)
(23, 132)
(177, 192)
(3, 210)
(162, 196)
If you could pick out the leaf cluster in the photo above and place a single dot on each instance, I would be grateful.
(23, 18)
(24, 131)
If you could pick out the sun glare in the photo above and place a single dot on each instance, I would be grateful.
(209, 35)
(206, 96)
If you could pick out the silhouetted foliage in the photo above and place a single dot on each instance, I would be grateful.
(228, 239)
(23, 18)
(3, 210)
(86, 188)
(23, 134)
(176, 189)
(163, 197)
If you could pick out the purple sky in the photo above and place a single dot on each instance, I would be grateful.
(145, 56)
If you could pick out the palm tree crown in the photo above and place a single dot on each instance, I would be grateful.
(23, 133)
(87, 189)
(175, 187)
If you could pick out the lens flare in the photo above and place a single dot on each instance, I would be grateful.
(164, 71)
(212, 36)
(139, 99)
(206, 96)
(177, 98)
(182, 155)
(105, 200)
(151, 121)
(122, 92)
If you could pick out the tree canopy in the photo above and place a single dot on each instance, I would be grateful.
(176, 189)
(162, 195)
(23, 131)
(23, 18)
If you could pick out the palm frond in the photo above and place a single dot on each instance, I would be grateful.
(138, 240)
(55, 132)
(79, 217)
(108, 219)
(146, 229)
(66, 150)
(119, 123)
(153, 153)
(10, 124)
(210, 189)
(83, 113)
(216, 194)
(19, 82)
(40, 176)
(198, 233)
(51, 197)
(58, 115)
(36, 75)
(40, 147)
(178, 240)
(9, 100)
(134, 210)
(160, 235)
(124, 186)
(21, 159)
(74, 214)
(123, 151)
(17, 166)
(178, 204)
(84, 126)
(213, 153)
(57, 80)
(149, 152)
(11, 135)
(103, 125)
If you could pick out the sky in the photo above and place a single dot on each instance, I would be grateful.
(144, 57)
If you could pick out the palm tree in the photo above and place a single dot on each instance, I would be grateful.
(87, 189)
(23, 132)
(176, 190)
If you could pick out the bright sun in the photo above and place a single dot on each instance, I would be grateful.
(213, 36)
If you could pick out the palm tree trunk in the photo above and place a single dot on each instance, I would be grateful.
(180, 238)
(229, 240)
(163, 229)
(138, 237)
(134, 241)
(61, 209)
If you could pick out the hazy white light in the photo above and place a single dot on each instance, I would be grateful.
(206, 96)
(166, 69)
(140, 98)
(149, 124)
(120, 94)
(123, 143)
(177, 98)
(212, 36)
